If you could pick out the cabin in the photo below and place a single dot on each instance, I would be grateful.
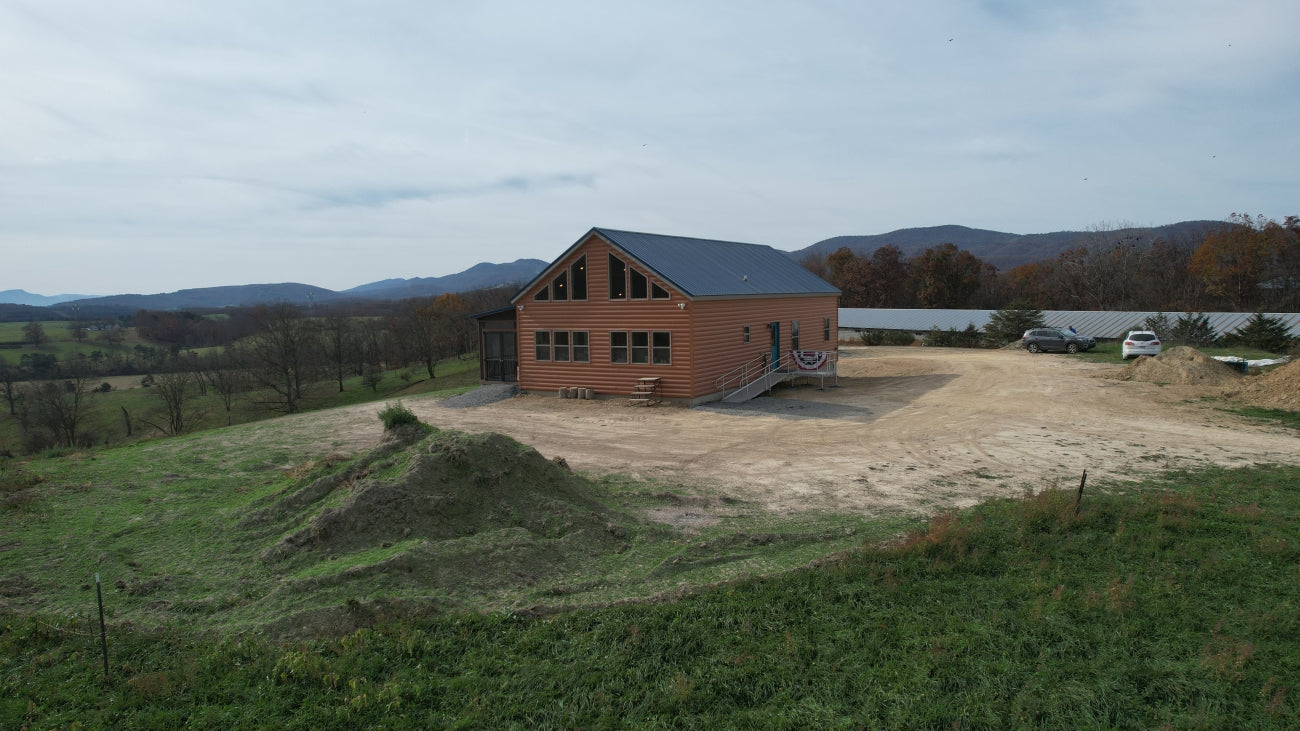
(653, 317)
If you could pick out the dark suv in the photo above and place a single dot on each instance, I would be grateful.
(1042, 339)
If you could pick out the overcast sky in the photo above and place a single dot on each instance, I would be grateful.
(153, 146)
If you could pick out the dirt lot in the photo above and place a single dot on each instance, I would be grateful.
(906, 429)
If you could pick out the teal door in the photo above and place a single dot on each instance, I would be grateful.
(775, 329)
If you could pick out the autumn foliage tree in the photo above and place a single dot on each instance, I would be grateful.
(1234, 260)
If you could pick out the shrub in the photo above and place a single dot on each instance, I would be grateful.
(938, 338)
(1010, 323)
(971, 337)
(395, 415)
(1194, 330)
(1265, 332)
(886, 337)
(1158, 324)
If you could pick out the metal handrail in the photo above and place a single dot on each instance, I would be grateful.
(740, 372)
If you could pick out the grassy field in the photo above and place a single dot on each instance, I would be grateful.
(1109, 352)
(1173, 603)
(105, 422)
(253, 579)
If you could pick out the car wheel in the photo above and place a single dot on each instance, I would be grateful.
(1071, 348)
(1032, 347)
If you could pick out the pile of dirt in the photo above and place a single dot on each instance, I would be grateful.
(1277, 389)
(1180, 365)
(449, 512)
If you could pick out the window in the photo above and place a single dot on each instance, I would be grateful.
(560, 286)
(578, 278)
(617, 278)
(543, 294)
(794, 335)
(746, 335)
(561, 349)
(826, 328)
(640, 347)
(657, 292)
(581, 352)
(639, 285)
(618, 347)
(542, 344)
(662, 351)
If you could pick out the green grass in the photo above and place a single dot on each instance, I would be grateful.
(1277, 416)
(1112, 352)
(1174, 603)
(166, 522)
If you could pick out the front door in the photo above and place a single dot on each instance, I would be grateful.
(775, 329)
(500, 357)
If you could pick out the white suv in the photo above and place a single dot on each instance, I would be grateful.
(1140, 342)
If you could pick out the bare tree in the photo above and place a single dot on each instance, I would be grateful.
(9, 385)
(226, 375)
(339, 340)
(174, 392)
(280, 354)
(61, 406)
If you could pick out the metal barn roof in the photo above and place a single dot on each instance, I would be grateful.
(707, 268)
(1096, 324)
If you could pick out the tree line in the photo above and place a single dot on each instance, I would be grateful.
(1250, 264)
(271, 353)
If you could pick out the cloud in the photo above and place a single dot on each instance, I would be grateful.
(298, 134)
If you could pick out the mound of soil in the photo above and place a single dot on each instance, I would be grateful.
(1277, 389)
(1180, 365)
(451, 507)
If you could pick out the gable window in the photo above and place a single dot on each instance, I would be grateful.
(618, 347)
(542, 345)
(657, 292)
(617, 278)
(560, 286)
(542, 295)
(561, 348)
(578, 278)
(581, 351)
(639, 285)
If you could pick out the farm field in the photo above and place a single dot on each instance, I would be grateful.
(766, 537)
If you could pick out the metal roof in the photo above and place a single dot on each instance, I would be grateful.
(1096, 324)
(707, 268)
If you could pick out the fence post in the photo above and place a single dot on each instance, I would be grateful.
(1078, 501)
(103, 633)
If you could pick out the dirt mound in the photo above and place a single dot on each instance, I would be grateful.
(451, 509)
(1277, 389)
(1180, 365)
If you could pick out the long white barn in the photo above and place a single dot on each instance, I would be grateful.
(1110, 325)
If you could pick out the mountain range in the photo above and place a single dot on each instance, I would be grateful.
(1002, 250)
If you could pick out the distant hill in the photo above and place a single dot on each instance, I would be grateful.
(23, 297)
(1003, 250)
(476, 277)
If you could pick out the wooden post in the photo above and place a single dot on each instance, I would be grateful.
(1078, 501)
(103, 633)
